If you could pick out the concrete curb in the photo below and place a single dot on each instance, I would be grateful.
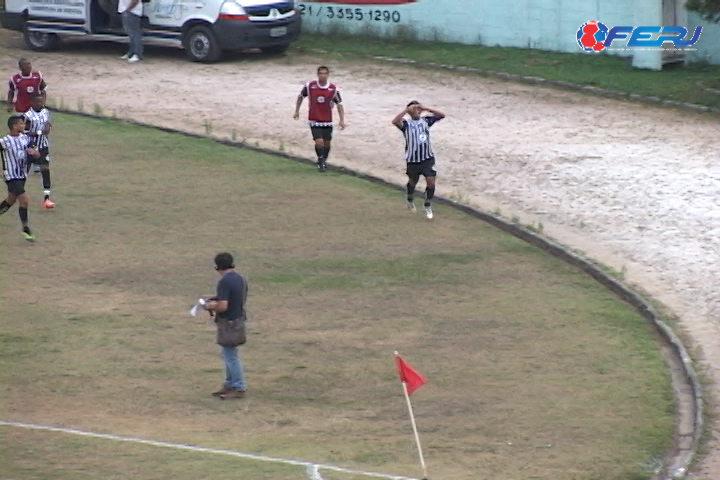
(559, 84)
(689, 424)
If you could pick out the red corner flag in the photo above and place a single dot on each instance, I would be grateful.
(412, 379)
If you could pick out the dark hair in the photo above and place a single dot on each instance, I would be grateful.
(14, 119)
(224, 261)
(323, 67)
(37, 95)
(413, 102)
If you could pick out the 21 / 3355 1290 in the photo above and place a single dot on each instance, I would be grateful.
(348, 13)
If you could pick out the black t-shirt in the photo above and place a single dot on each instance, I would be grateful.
(233, 288)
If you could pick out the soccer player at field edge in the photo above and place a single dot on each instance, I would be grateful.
(23, 85)
(14, 150)
(419, 155)
(38, 127)
(322, 96)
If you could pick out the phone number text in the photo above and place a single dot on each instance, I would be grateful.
(358, 14)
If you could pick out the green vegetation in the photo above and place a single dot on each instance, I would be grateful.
(694, 83)
(535, 370)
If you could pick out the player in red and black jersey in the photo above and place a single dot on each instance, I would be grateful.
(322, 97)
(23, 86)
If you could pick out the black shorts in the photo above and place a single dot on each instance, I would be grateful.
(425, 168)
(43, 159)
(322, 132)
(15, 187)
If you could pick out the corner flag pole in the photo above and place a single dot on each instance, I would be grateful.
(414, 426)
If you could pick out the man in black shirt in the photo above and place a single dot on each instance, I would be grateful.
(229, 305)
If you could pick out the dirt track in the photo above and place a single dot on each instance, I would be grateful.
(634, 187)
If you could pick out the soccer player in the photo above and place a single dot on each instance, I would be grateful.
(23, 86)
(419, 155)
(14, 150)
(38, 127)
(322, 97)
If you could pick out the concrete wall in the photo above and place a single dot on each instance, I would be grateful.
(708, 47)
(539, 24)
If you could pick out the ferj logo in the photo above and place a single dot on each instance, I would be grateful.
(595, 36)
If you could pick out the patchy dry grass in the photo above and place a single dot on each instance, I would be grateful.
(534, 370)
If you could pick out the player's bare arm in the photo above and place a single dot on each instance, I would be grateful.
(341, 114)
(10, 97)
(298, 103)
(397, 121)
(46, 129)
(33, 153)
(43, 88)
(437, 113)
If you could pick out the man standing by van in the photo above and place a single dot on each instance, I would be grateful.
(131, 12)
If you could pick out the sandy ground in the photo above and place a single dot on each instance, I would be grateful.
(634, 187)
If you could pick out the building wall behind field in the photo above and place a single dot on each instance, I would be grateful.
(708, 47)
(539, 24)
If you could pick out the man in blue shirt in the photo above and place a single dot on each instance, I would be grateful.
(229, 305)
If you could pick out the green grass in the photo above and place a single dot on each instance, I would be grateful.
(603, 71)
(535, 370)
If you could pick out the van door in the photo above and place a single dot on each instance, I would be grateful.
(168, 13)
(57, 16)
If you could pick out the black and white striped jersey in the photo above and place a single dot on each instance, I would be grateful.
(36, 122)
(417, 138)
(13, 151)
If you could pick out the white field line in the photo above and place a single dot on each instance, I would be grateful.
(313, 473)
(312, 469)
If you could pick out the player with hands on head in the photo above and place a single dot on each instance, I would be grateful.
(419, 155)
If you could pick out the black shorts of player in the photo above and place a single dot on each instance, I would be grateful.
(321, 132)
(424, 168)
(15, 187)
(43, 159)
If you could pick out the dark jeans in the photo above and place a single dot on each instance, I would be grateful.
(131, 24)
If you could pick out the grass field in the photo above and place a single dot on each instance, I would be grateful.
(534, 370)
(693, 83)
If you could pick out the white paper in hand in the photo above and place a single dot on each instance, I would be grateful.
(198, 305)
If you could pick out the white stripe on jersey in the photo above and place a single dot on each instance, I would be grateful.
(417, 139)
(37, 121)
(14, 156)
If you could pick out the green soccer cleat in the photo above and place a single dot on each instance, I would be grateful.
(29, 236)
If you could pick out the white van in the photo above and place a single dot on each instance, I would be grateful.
(204, 28)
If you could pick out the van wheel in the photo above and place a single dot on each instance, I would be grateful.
(40, 41)
(275, 49)
(201, 45)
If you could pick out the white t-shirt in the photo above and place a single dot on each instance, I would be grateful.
(137, 9)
